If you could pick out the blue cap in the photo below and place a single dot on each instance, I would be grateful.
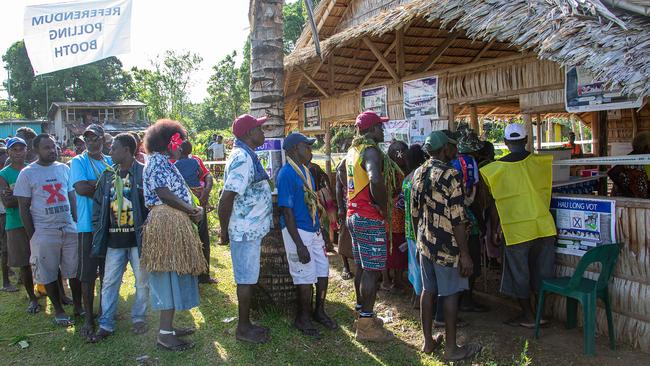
(294, 139)
(15, 140)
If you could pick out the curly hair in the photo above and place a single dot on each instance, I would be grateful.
(39, 138)
(157, 136)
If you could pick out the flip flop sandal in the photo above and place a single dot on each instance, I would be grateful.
(182, 332)
(468, 351)
(531, 325)
(33, 308)
(347, 276)
(63, 321)
(10, 288)
(139, 328)
(177, 348)
(514, 322)
(261, 340)
(99, 336)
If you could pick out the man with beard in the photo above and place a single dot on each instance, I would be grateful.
(85, 170)
(47, 209)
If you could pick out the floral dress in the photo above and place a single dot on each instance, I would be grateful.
(158, 173)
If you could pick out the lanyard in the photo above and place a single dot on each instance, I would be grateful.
(92, 165)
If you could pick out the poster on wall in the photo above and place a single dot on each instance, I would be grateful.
(420, 128)
(421, 98)
(376, 100)
(397, 130)
(583, 223)
(312, 116)
(584, 93)
(271, 156)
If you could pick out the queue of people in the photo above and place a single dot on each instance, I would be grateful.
(427, 210)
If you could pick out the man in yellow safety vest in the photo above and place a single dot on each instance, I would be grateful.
(520, 186)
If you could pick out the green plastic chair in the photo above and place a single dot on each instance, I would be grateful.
(586, 291)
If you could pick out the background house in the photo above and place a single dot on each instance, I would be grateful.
(69, 119)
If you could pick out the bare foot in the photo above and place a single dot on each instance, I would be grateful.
(324, 319)
(88, 329)
(251, 335)
(434, 342)
(463, 352)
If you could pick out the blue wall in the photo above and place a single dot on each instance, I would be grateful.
(7, 128)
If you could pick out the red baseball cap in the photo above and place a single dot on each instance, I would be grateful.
(245, 123)
(368, 119)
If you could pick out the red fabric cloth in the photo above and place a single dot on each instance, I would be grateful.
(398, 259)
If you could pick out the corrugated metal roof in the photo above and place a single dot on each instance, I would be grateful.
(112, 104)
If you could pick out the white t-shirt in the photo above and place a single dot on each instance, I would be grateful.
(48, 187)
(218, 151)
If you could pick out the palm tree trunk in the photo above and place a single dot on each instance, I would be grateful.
(275, 286)
(267, 64)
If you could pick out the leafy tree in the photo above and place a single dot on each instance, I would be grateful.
(295, 15)
(165, 88)
(295, 19)
(103, 80)
(228, 90)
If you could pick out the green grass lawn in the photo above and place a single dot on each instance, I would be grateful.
(215, 341)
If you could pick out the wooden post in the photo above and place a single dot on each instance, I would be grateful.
(330, 75)
(328, 150)
(601, 121)
(539, 131)
(595, 134)
(399, 52)
(529, 130)
(635, 123)
(473, 118)
(451, 117)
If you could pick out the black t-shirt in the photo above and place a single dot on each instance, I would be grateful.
(121, 231)
(515, 156)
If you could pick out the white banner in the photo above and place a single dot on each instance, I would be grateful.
(641, 159)
(63, 35)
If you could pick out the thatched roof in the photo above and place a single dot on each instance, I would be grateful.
(613, 44)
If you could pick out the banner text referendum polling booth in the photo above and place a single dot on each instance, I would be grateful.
(63, 35)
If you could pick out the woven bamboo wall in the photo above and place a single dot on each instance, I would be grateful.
(531, 102)
(620, 125)
(501, 80)
(630, 289)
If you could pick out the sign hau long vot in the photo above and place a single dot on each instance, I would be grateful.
(63, 35)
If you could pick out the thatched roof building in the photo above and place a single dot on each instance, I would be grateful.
(613, 44)
(419, 37)
(491, 58)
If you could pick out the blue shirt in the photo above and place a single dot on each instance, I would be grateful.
(291, 194)
(190, 170)
(468, 169)
(252, 208)
(83, 167)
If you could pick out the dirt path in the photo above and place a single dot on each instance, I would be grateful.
(503, 344)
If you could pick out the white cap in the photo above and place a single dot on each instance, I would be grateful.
(515, 131)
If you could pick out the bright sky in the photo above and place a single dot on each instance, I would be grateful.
(211, 28)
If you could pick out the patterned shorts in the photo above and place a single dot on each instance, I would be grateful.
(368, 242)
